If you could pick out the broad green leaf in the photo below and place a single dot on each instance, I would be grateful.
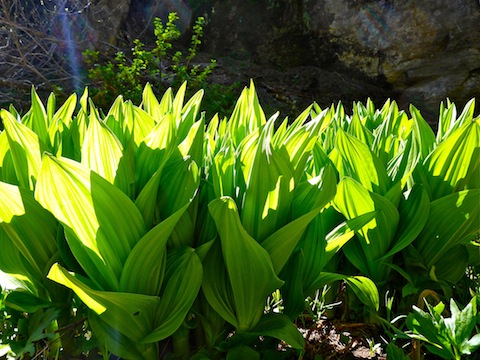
(280, 327)
(21, 217)
(102, 217)
(455, 164)
(13, 263)
(154, 150)
(360, 163)
(422, 133)
(60, 123)
(131, 314)
(248, 267)
(120, 345)
(26, 302)
(363, 287)
(281, 243)
(413, 210)
(150, 103)
(36, 118)
(376, 238)
(439, 236)
(101, 149)
(26, 150)
(269, 185)
(183, 278)
(145, 266)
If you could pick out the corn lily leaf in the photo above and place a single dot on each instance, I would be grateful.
(439, 236)
(101, 150)
(280, 327)
(183, 278)
(120, 345)
(192, 145)
(413, 211)
(7, 168)
(154, 150)
(237, 288)
(315, 192)
(455, 163)
(247, 116)
(104, 220)
(363, 287)
(377, 236)
(145, 266)
(360, 163)
(282, 242)
(443, 271)
(21, 217)
(321, 243)
(59, 126)
(131, 314)
(150, 102)
(422, 133)
(13, 263)
(26, 150)
(36, 118)
(166, 103)
(269, 186)
(189, 115)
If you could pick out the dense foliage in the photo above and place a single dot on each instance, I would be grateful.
(146, 226)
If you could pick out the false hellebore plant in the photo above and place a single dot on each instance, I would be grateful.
(159, 223)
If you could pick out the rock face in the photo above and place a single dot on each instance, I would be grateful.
(426, 50)
(418, 52)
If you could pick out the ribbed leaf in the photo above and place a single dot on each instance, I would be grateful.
(413, 210)
(13, 263)
(145, 266)
(360, 163)
(131, 314)
(36, 118)
(21, 217)
(120, 345)
(438, 235)
(26, 150)
(183, 278)
(101, 150)
(422, 133)
(363, 287)
(268, 194)
(377, 236)
(282, 242)
(248, 267)
(279, 327)
(101, 216)
(455, 164)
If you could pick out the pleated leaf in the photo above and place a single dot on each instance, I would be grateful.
(145, 266)
(183, 278)
(377, 236)
(26, 150)
(21, 217)
(360, 163)
(439, 234)
(455, 164)
(102, 217)
(363, 287)
(248, 267)
(131, 314)
(101, 150)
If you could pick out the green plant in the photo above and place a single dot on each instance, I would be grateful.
(447, 337)
(161, 66)
(157, 226)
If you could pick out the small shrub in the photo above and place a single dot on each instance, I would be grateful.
(163, 66)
